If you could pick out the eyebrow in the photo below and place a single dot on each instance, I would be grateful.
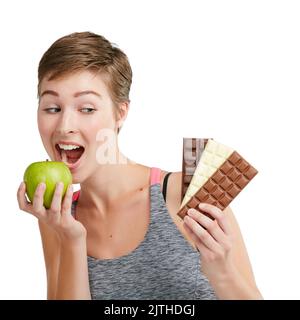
(75, 95)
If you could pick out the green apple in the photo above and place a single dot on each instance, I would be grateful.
(49, 172)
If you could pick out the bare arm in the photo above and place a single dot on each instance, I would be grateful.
(66, 266)
(240, 254)
(73, 282)
(51, 249)
(64, 244)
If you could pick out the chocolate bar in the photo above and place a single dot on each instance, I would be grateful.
(191, 154)
(213, 156)
(224, 185)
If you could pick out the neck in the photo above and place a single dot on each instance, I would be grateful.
(113, 184)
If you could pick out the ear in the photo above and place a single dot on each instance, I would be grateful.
(123, 109)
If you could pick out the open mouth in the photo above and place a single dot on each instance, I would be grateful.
(69, 154)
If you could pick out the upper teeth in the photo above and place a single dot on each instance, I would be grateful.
(68, 146)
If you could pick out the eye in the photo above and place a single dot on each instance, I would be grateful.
(52, 110)
(87, 110)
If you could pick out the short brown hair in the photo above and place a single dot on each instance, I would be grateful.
(88, 51)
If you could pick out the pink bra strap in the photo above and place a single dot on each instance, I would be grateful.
(155, 176)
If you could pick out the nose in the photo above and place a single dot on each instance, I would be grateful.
(66, 123)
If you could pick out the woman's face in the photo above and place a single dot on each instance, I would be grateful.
(74, 112)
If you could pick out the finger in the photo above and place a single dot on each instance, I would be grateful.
(218, 214)
(199, 245)
(38, 200)
(67, 202)
(57, 197)
(202, 234)
(209, 224)
(22, 201)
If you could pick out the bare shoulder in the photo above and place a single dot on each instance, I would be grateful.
(173, 201)
(174, 188)
(173, 196)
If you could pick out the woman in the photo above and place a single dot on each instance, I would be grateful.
(120, 237)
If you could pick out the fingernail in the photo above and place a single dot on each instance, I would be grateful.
(201, 205)
(186, 217)
(190, 212)
(42, 186)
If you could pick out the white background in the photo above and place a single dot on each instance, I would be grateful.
(223, 69)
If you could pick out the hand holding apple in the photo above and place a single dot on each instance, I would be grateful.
(58, 214)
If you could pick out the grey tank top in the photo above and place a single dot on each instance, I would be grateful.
(163, 266)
